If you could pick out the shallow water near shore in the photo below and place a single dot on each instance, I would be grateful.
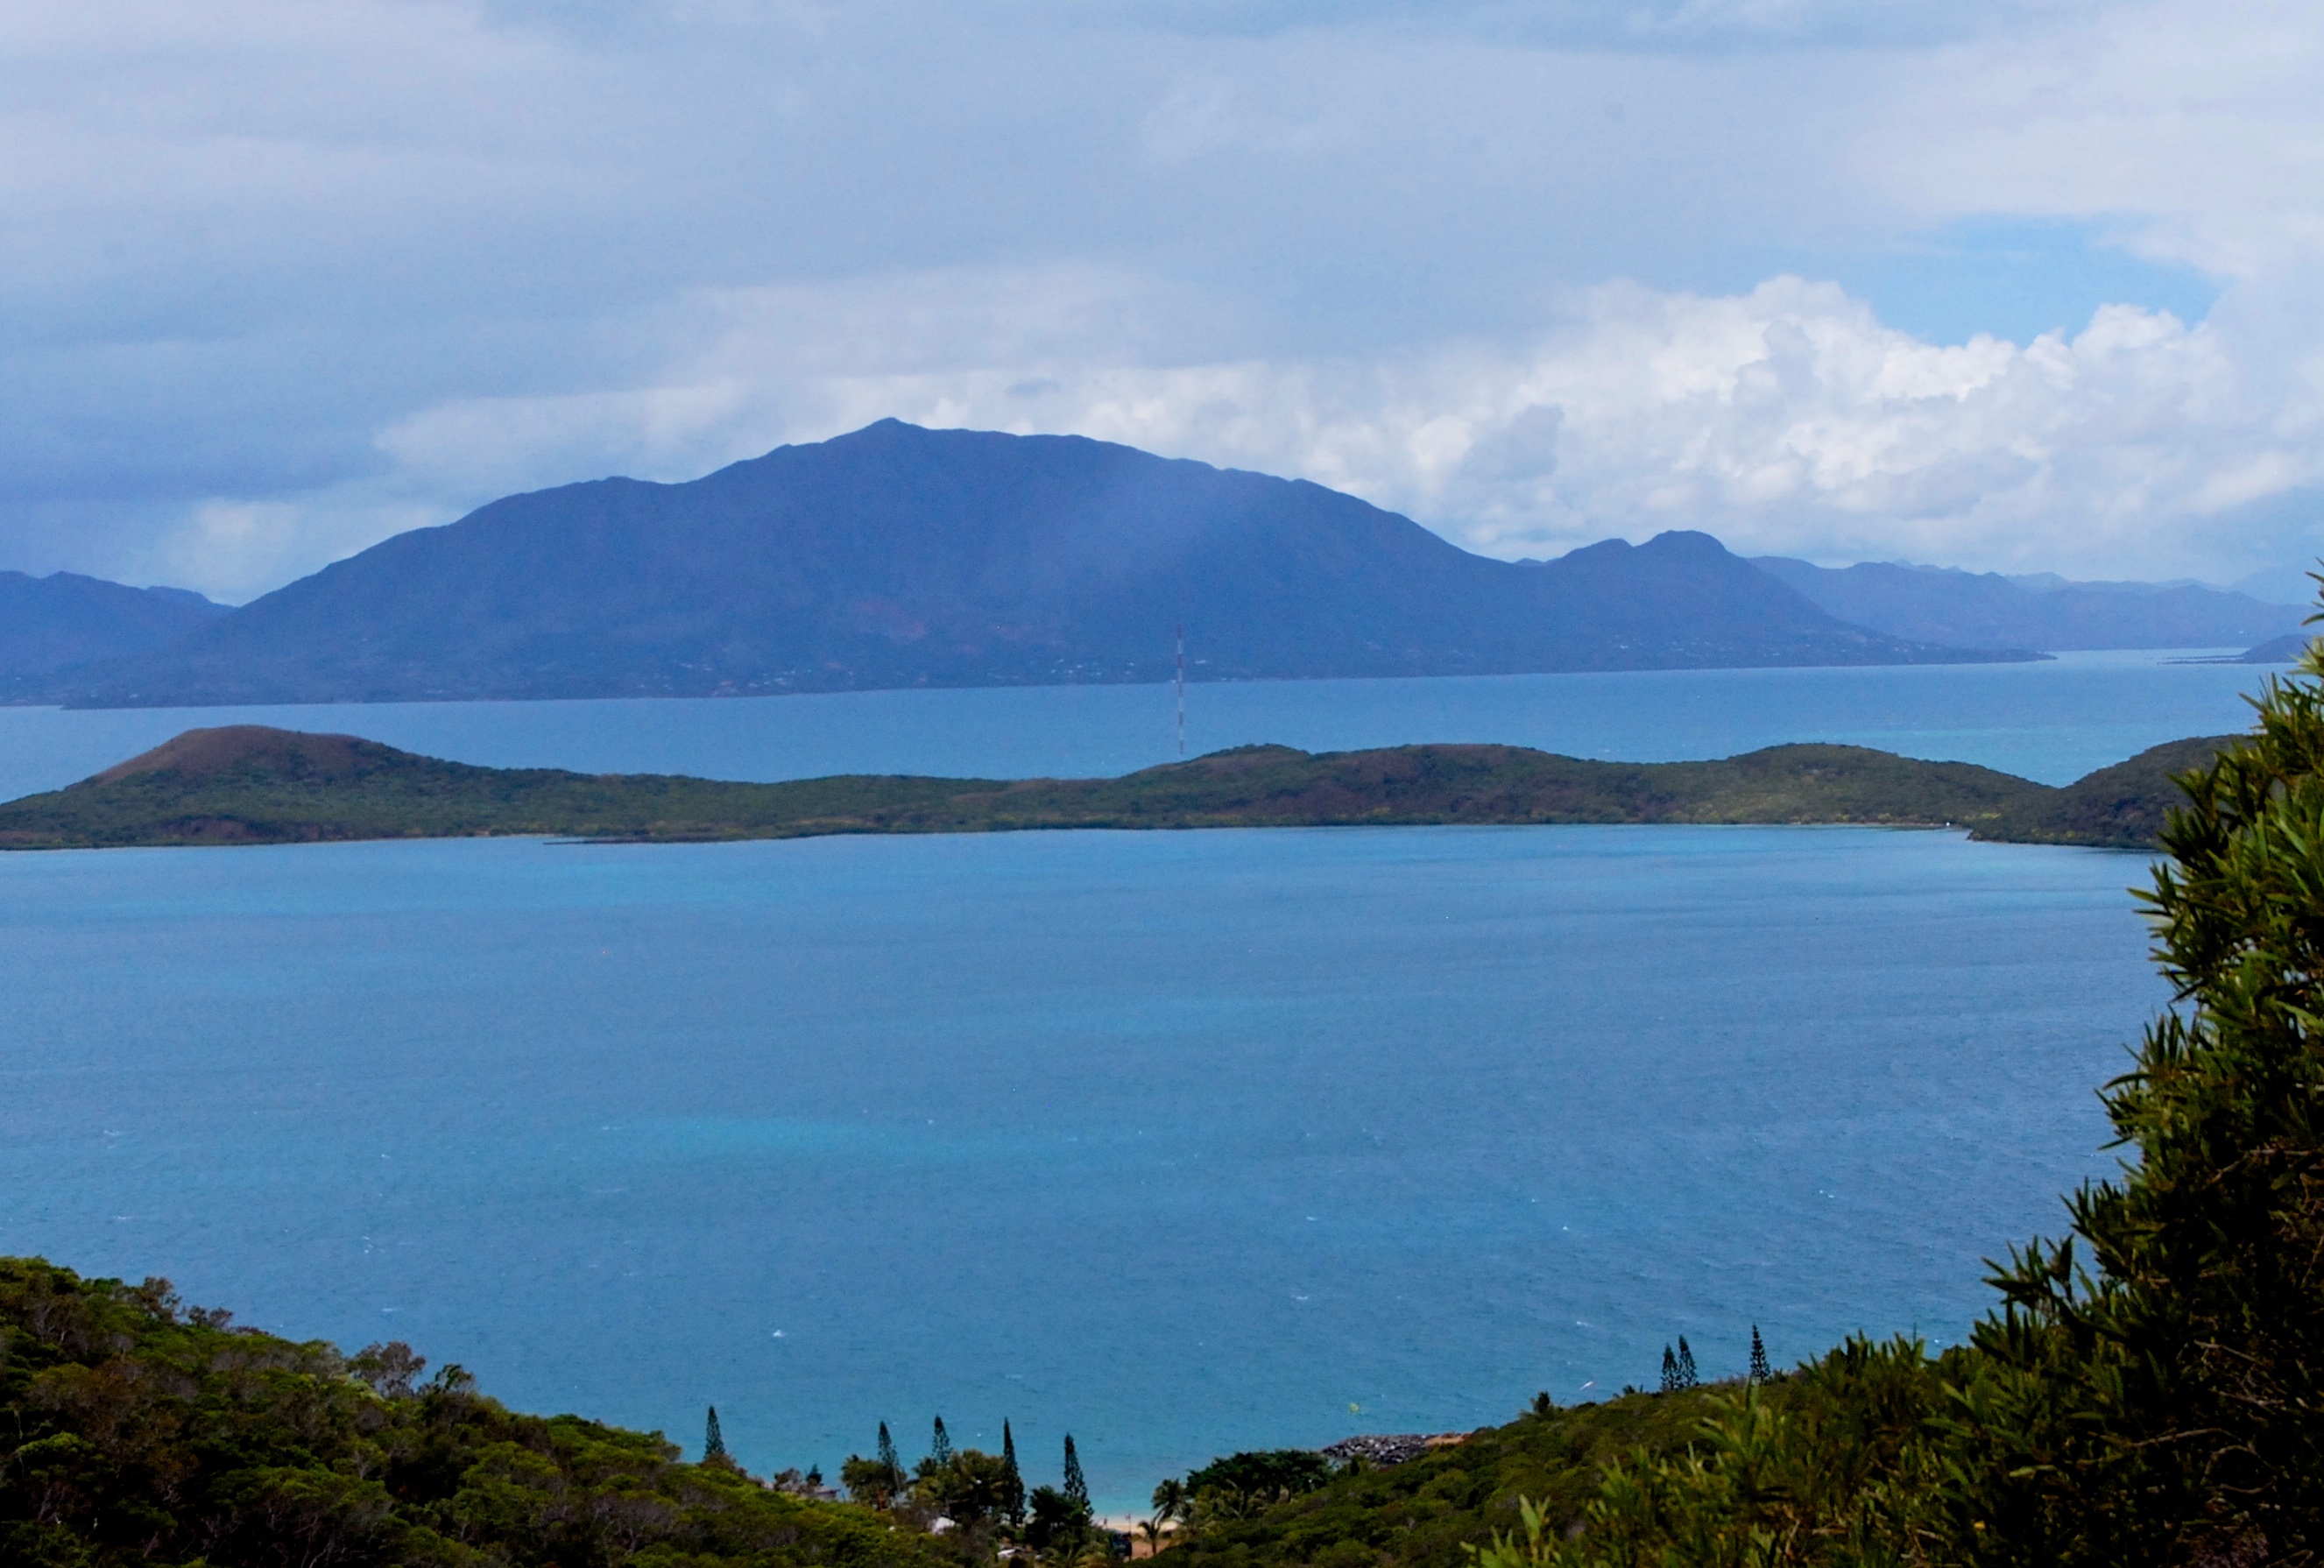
(1180, 1142)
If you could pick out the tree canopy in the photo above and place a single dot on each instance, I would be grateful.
(138, 1431)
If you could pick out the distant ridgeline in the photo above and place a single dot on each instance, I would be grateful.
(1986, 610)
(54, 629)
(902, 556)
(249, 784)
(898, 556)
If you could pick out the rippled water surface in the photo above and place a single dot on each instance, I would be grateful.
(1177, 1141)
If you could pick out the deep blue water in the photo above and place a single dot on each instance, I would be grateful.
(2052, 721)
(1181, 1143)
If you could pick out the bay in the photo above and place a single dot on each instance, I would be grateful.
(1180, 1142)
(2052, 721)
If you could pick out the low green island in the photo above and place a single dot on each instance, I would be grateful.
(251, 784)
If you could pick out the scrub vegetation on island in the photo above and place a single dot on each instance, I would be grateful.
(249, 784)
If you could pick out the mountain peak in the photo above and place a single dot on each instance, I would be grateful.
(65, 620)
(898, 556)
(207, 754)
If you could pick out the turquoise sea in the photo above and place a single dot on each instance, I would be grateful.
(1180, 1142)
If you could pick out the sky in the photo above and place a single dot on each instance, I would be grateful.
(2018, 285)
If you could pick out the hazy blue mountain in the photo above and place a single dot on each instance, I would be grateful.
(2283, 650)
(2282, 585)
(53, 623)
(1988, 610)
(898, 557)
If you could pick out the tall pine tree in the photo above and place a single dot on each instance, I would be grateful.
(713, 1443)
(1669, 1370)
(889, 1460)
(1760, 1370)
(1687, 1376)
(1076, 1489)
(940, 1445)
(1012, 1481)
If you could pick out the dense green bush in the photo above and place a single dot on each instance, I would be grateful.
(134, 1431)
(1422, 1514)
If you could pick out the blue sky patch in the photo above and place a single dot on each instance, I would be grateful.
(2015, 277)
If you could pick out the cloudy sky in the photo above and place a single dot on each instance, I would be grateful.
(2013, 284)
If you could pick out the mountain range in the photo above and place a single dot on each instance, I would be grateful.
(1988, 610)
(65, 620)
(899, 557)
(902, 557)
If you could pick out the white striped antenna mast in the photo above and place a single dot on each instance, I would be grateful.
(1182, 692)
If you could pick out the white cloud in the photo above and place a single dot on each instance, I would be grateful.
(2203, 117)
(234, 550)
(1787, 419)
(274, 283)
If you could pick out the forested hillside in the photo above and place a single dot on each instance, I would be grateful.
(134, 1430)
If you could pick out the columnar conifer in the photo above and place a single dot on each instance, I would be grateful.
(1669, 1370)
(713, 1444)
(1012, 1483)
(1760, 1370)
(889, 1460)
(1076, 1488)
(940, 1445)
(1687, 1377)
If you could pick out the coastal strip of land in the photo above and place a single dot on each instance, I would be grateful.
(251, 784)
